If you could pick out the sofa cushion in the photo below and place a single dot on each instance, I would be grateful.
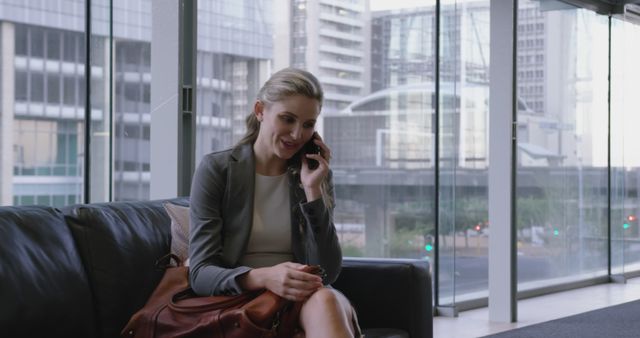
(401, 287)
(119, 244)
(179, 230)
(43, 285)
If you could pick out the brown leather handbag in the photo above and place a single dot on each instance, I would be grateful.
(173, 310)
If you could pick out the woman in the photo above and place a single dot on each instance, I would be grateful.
(259, 213)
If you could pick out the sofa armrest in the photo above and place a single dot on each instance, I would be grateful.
(391, 293)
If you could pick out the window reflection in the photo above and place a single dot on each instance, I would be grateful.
(625, 159)
(45, 167)
(562, 176)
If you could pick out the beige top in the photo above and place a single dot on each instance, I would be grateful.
(270, 239)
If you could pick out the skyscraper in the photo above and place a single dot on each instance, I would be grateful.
(43, 92)
(330, 38)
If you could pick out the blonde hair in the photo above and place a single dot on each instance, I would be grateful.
(282, 84)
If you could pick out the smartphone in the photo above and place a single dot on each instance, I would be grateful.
(311, 148)
(316, 270)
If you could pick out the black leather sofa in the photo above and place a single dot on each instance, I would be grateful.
(84, 270)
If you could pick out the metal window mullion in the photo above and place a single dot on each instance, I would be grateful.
(87, 102)
(187, 105)
(436, 193)
(609, 239)
(111, 114)
(514, 167)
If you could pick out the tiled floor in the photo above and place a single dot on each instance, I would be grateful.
(475, 323)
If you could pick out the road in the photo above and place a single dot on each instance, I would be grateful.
(472, 273)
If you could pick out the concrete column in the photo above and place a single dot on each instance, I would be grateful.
(376, 239)
(502, 141)
(164, 98)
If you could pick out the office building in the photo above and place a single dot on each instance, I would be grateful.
(330, 38)
(43, 52)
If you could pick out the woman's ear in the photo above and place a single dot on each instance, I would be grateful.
(258, 109)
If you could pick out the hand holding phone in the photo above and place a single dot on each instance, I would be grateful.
(316, 270)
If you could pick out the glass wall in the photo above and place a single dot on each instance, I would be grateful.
(376, 63)
(562, 144)
(42, 109)
(131, 112)
(235, 53)
(464, 116)
(625, 158)
(43, 102)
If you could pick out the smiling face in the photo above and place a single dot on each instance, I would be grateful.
(286, 125)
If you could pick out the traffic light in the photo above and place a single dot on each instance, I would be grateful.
(477, 227)
(428, 240)
(627, 223)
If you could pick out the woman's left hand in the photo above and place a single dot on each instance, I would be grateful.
(312, 179)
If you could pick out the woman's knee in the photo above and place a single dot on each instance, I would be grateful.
(327, 311)
(326, 298)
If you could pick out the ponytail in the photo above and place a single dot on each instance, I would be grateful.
(253, 127)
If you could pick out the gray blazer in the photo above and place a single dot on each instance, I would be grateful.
(221, 216)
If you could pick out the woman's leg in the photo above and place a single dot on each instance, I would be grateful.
(327, 313)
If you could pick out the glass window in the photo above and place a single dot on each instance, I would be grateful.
(59, 201)
(562, 157)
(46, 149)
(378, 117)
(70, 47)
(37, 87)
(132, 78)
(132, 94)
(98, 127)
(54, 43)
(98, 94)
(464, 114)
(146, 93)
(36, 35)
(81, 90)
(69, 88)
(132, 131)
(43, 200)
(389, 211)
(22, 40)
(625, 159)
(27, 200)
(53, 88)
(22, 86)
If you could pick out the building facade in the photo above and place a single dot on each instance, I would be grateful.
(43, 93)
(330, 38)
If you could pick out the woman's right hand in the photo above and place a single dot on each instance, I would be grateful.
(285, 279)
